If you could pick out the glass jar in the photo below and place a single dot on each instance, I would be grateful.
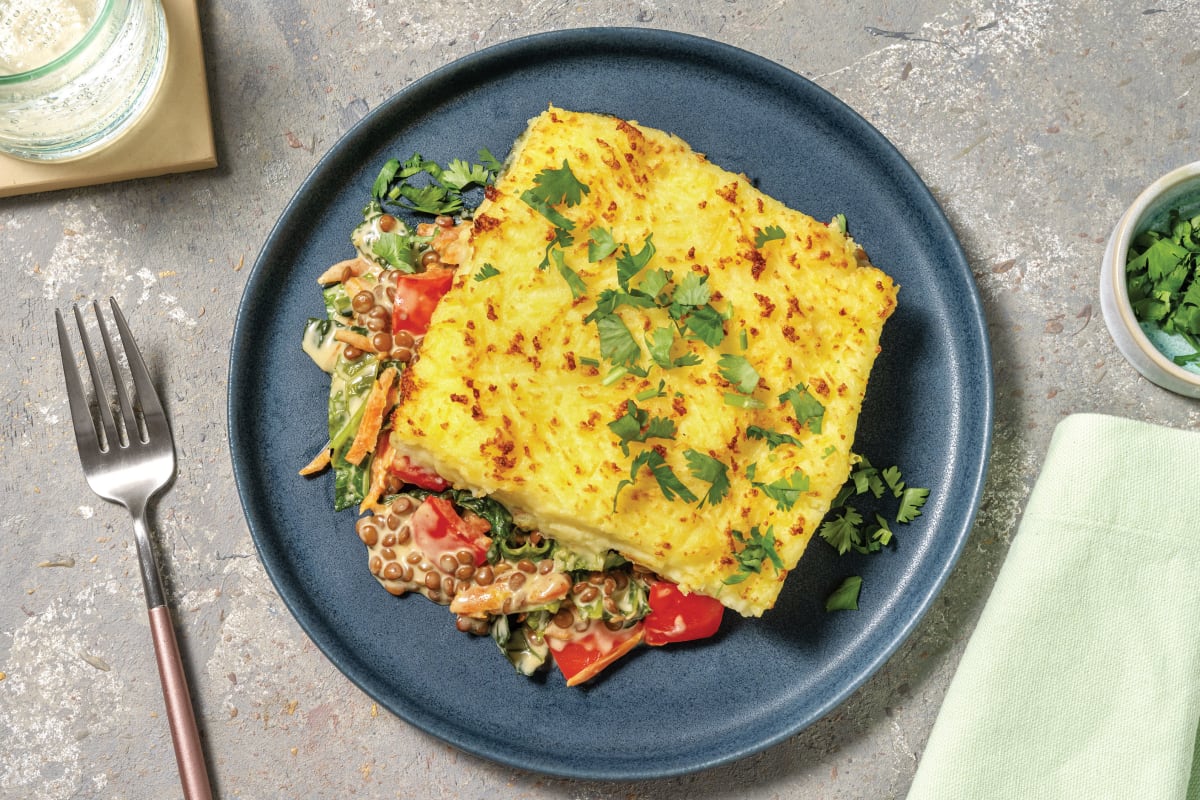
(89, 92)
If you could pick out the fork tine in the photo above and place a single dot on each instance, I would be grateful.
(131, 426)
(109, 426)
(81, 418)
(152, 410)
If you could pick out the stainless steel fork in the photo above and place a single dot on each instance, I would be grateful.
(128, 459)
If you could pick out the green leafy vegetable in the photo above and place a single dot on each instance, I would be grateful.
(556, 186)
(771, 233)
(630, 264)
(807, 408)
(1163, 276)
(838, 223)
(756, 549)
(845, 596)
(490, 161)
(576, 283)
(617, 344)
(739, 371)
(668, 481)
(786, 491)
(485, 272)
(397, 250)
(601, 244)
(461, 174)
(636, 425)
(773, 438)
(911, 502)
(842, 531)
(710, 470)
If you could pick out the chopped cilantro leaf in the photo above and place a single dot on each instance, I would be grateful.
(397, 250)
(489, 161)
(738, 371)
(601, 244)
(786, 491)
(808, 409)
(845, 596)
(531, 199)
(636, 425)
(555, 186)
(431, 199)
(706, 324)
(630, 264)
(866, 479)
(659, 342)
(576, 283)
(771, 233)
(461, 174)
(653, 284)
(891, 477)
(773, 438)
(910, 504)
(611, 299)
(693, 290)
(386, 176)
(486, 271)
(617, 344)
(668, 481)
(708, 469)
(842, 531)
(756, 549)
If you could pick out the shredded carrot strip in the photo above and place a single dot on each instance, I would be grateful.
(372, 419)
(320, 461)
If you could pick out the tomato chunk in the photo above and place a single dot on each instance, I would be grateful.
(584, 657)
(417, 295)
(437, 529)
(678, 617)
(407, 471)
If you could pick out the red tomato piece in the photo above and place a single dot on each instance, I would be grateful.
(584, 657)
(407, 471)
(678, 617)
(437, 529)
(416, 297)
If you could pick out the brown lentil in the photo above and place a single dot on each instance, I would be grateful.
(352, 353)
(465, 557)
(433, 581)
(368, 534)
(387, 222)
(447, 563)
(516, 580)
(443, 221)
(525, 565)
(401, 354)
(448, 586)
(545, 566)
(564, 617)
(388, 540)
(430, 259)
(484, 576)
(589, 594)
(464, 572)
(403, 535)
(388, 554)
(403, 339)
(376, 325)
(363, 302)
(392, 571)
(382, 342)
(393, 521)
(376, 564)
(414, 557)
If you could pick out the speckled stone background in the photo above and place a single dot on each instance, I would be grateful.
(1034, 122)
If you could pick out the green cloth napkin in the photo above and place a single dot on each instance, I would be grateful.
(1082, 679)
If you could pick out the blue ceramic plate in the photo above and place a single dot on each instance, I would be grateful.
(668, 710)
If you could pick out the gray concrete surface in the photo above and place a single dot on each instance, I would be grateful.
(1034, 121)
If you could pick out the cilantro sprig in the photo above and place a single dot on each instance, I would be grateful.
(756, 548)
(843, 527)
(440, 191)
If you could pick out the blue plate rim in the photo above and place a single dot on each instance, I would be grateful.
(638, 39)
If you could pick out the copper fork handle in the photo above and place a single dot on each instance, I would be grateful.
(188, 754)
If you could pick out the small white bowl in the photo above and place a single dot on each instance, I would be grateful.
(1179, 188)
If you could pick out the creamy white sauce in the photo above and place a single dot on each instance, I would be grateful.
(35, 32)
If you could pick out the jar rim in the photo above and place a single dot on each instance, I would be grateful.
(106, 11)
